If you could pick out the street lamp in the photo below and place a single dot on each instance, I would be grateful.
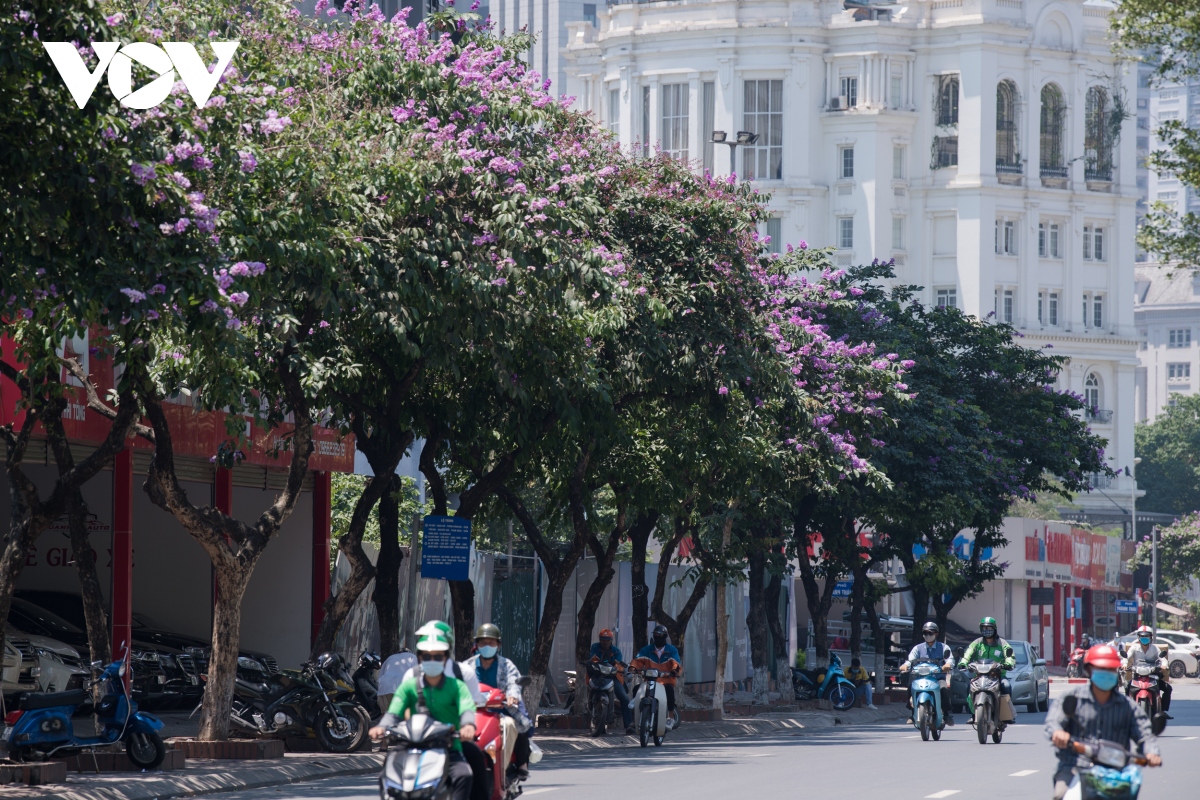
(743, 137)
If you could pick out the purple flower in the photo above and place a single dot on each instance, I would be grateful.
(249, 162)
(723, 390)
(142, 174)
(134, 295)
(239, 298)
(274, 123)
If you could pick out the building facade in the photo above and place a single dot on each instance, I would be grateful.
(979, 143)
(1167, 311)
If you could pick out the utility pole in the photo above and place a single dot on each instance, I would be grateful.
(410, 589)
(1154, 582)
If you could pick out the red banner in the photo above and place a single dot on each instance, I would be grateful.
(1081, 562)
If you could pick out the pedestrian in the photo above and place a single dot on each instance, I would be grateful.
(862, 681)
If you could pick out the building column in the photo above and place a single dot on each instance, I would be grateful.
(322, 522)
(121, 597)
(1057, 623)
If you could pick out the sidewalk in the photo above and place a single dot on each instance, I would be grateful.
(208, 776)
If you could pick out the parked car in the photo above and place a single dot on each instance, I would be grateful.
(21, 669)
(1183, 640)
(153, 635)
(1180, 662)
(1030, 680)
(61, 667)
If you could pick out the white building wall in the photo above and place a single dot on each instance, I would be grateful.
(948, 215)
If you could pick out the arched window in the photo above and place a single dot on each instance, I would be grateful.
(1054, 113)
(1091, 393)
(1007, 158)
(1098, 140)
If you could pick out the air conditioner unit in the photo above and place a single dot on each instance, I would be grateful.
(835, 103)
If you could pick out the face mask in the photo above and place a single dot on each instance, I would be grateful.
(1144, 641)
(488, 651)
(989, 633)
(660, 643)
(1104, 680)
(433, 669)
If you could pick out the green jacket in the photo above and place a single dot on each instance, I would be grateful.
(450, 702)
(980, 650)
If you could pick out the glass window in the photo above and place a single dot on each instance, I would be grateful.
(947, 100)
(1040, 308)
(1053, 119)
(1179, 337)
(846, 233)
(709, 110)
(847, 162)
(849, 90)
(774, 230)
(1008, 160)
(1179, 371)
(1091, 391)
(897, 233)
(1052, 309)
(1087, 242)
(763, 114)
(589, 14)
(645, 122)
(1010, 237)
(1098, 135)
(1006, 311)
(1097, 311)
(896, 91)
(1098, 244)
(614, 110)
(898, 154)
(675, 120)
(947, 298)
(1042, 239)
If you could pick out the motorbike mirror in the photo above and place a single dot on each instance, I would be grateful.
(1069, 704)
(97, 666)
(1158, 723)
(524, 681)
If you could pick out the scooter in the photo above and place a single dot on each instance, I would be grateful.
(497, 735)
(1143, 687)
(984, 701)
(362, 687)
(40, 726)
(927, 700)
(602, 695)
(832, 683)
(1075, 665)
(1113, 772)
(415, 769)
(650, 717)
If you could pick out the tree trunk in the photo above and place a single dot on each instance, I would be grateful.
(756, 625)
(881, 643)
(89, 583)
(677, 626)
(639, 591)
(586, 618)
(557, 578)
(232, 579)
(778, 628)
(920, 612)
(722, 625)
(387, 571)
(462, 608)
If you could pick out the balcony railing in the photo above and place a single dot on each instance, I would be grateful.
(1097, 173)
(1055, 172)
(1101, 415)
(1004, 168)
(1098, 480)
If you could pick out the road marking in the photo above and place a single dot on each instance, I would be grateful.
(660, 769)
(912, 737)
(1022, 773)
(942, 793)
(539, 791)
(1187, 738)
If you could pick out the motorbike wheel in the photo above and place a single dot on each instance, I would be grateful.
(1072, 670)
(1148, 707)
(981, 723)
(923, 721)
(935, 732)
(340, 730)
(997, 735)
(145, 750)
(842, 697)
(599, 717)
(658, 740)
(646, 725)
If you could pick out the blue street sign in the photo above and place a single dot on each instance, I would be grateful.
(842, 589)
(1127, 606)
(446, 549)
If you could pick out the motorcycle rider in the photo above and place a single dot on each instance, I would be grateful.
(446, 699)
(500, 673)
(991, 647)
(1101, 714)
(933, 650)
(1144, 651)
(605, 652)
(660, 650)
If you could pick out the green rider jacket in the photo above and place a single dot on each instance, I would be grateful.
(980, 650)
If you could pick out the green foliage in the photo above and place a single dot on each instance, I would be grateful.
(1170, 451)
(348, 487)
(1178, 553)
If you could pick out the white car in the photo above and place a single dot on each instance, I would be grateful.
(1180, 662)
(1183, 640)
(60, 668)
(21, 669)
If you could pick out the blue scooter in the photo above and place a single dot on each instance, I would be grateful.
(927, 699)
(41, 724)
(834, 684)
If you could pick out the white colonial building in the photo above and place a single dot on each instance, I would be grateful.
(1167, 310)
(982, 144)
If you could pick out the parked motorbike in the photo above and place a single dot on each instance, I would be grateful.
(1112, 772)
(1075, 664)
(41, 724)
(830, 682)
(418, 752)
(650, 717)
(1144, 689)
(602, 695)
(572, 682)
(361, 687)
(497, 735)
(927, 699)
(983, 699)
(291, 702)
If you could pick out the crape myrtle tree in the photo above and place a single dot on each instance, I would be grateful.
(1167, 34)
(489, 185)
(985, 425)
(80, 228)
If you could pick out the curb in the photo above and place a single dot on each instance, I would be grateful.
(1068, 680)
(181, 784)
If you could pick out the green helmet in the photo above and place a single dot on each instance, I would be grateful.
(434, 641)
(436, 626)
(487, 631)
(989, 622)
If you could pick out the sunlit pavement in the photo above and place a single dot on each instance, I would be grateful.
(886, 760)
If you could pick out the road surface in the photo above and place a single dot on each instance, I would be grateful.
(886, 761)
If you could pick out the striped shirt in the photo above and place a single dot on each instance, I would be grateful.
(1119, 720)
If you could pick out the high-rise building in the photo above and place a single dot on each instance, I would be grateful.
(981, 144)
(1167, 308)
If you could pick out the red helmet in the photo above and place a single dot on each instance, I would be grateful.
(1103, 656)
(606, 634)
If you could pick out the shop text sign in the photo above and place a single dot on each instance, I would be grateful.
(446, 548)
(117, 60)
